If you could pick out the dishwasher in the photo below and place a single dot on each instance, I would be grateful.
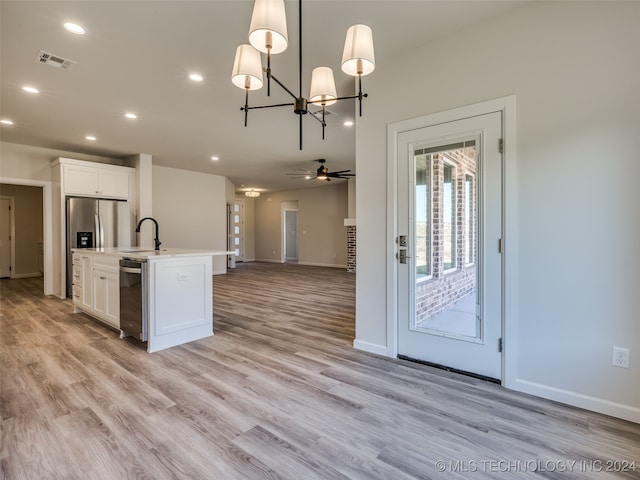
(134, 293)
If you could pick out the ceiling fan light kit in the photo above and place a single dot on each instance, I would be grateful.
(323, 173)
(268, 34)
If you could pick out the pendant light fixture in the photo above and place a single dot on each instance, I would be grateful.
(268, 34)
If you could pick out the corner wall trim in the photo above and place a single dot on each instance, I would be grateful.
(575, 399)
(371, 347)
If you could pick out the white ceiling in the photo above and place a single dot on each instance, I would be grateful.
(136, 56)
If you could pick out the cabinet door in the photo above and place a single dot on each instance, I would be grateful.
(80, 180)
(106, 296)
(99, 293)
(113, 183)
(112, 304)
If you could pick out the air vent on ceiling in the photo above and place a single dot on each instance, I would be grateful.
(54, 60)
(318, 113)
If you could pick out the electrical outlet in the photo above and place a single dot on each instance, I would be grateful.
(620, 357)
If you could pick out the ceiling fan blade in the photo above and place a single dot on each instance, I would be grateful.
(339, 172)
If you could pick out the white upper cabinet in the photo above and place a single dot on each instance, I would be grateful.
(80, 180)
(113, 183)
(94, 180)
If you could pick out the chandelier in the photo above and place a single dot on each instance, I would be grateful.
(268, 34)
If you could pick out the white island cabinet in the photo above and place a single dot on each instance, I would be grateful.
(178, 294)
(95, 286)
(180, 300)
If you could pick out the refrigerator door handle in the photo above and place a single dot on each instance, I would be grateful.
(99, 232)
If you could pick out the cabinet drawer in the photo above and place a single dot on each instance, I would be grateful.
(77, 275)
(106, 263)
(76, 294)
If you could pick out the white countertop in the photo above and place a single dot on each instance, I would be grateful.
(150, 253)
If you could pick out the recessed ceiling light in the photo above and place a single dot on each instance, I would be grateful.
(74, 28)
(131, 115)
(196, 77)
(348, 123)
(215, 158)
(90, 138)
(6, 121)
(30, 89)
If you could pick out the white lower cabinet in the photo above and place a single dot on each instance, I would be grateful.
(96, 287)
(81, 291)
(106, 299)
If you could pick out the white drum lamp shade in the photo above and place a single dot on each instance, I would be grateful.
(268, 26)
(323, 86)
(247, 68)
(358, 57)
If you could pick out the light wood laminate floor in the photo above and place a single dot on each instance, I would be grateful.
(277, 393)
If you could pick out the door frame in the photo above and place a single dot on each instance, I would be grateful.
(12, 233)
(284, 234)
(47, 228)
(507, 106)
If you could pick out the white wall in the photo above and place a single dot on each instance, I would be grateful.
(33, 163)
(191, 209)
(322, 236)
(573, 68)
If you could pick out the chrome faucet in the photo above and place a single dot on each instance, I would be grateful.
(157, 239)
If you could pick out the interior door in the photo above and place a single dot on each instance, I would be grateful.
(449, 226)
(238, 233)
(5, 237)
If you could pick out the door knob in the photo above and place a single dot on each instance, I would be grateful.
(402, 255)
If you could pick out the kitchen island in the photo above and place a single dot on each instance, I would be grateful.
(176, 297)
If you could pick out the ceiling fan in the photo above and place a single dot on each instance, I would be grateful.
(322, 173)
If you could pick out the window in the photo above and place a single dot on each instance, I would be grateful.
(449, 216)
(469, 219)
(423, 216)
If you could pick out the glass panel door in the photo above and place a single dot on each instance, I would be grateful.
(449, 184)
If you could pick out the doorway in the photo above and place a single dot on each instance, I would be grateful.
(449, 225)
(291, 236)
(235, 232)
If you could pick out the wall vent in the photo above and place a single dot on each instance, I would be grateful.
(54, 60)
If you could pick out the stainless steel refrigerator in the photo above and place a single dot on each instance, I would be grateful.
(96, 223)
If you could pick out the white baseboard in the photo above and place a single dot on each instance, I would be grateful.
(26, 275)
(370, 347)
(267, 260)
(310, 264)
(587, 402)
(313, 264)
